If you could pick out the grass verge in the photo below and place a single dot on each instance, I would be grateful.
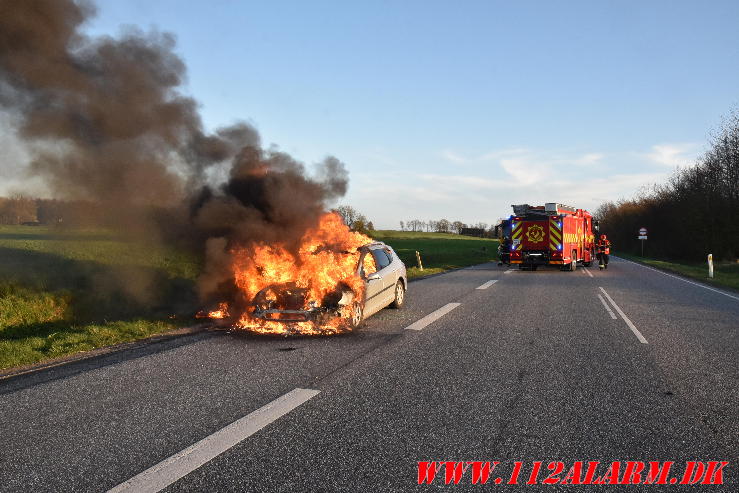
(34, 327)
(439, 251)
(726, 274)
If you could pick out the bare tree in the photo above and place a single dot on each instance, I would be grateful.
(354, 219)
(348, 213)
(360, 225)
(457, 226)
(443, 226)
(402, 226)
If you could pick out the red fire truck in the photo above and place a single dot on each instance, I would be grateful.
(552, 234)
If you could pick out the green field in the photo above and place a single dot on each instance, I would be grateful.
(65, 292)
(725, 274)
(439, 251)
(62, 292)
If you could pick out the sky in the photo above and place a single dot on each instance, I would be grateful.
(457, 110)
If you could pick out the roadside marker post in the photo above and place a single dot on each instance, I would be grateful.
(418, 259)
(710, 266)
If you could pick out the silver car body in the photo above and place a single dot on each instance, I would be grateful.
(285, 302)
(380, 285)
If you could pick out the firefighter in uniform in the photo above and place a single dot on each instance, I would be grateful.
(504, 252)
(604, 250)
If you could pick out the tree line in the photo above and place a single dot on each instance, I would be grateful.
(21, 209)
(694, 213)
(359, 222)
(440, 226)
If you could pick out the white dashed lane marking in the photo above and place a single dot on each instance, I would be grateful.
(610, 312)
(161, 475)
(626, 319)
(487, 284)
(432, 317)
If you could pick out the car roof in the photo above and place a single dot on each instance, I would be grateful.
(375, 245)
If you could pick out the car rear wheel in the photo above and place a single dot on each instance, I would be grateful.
(399, 295)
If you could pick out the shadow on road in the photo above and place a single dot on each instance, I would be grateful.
(99, 291)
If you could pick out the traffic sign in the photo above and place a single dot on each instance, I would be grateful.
(642, 231)
(642, 237)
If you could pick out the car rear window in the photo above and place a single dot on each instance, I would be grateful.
(382, 258)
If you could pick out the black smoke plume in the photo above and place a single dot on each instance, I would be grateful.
(124, 136)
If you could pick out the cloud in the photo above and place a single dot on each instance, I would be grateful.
(486, 186)
(589, 159)
(524, 166)
(452, 156)
(474, 198)
(495, 155)
(527, 170)
(676, 155)
(457, 158)
(456, 181)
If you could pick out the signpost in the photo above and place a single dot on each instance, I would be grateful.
(642, 238)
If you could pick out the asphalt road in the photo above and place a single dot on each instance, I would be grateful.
(532, 368)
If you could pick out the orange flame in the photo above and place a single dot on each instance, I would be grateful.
(326, 259)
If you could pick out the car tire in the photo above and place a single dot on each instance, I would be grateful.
(399, 300)
(356, 317)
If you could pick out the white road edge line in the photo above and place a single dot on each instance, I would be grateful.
(508, 271)
(681, 279)
(610, 312)
(161, 475)
(626, 319)
(587, 272)
(487, 284)
(432, 317)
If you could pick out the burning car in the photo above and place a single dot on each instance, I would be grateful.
(384, 283)
(326, 284)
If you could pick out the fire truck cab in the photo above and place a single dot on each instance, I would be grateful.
(552, 234)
